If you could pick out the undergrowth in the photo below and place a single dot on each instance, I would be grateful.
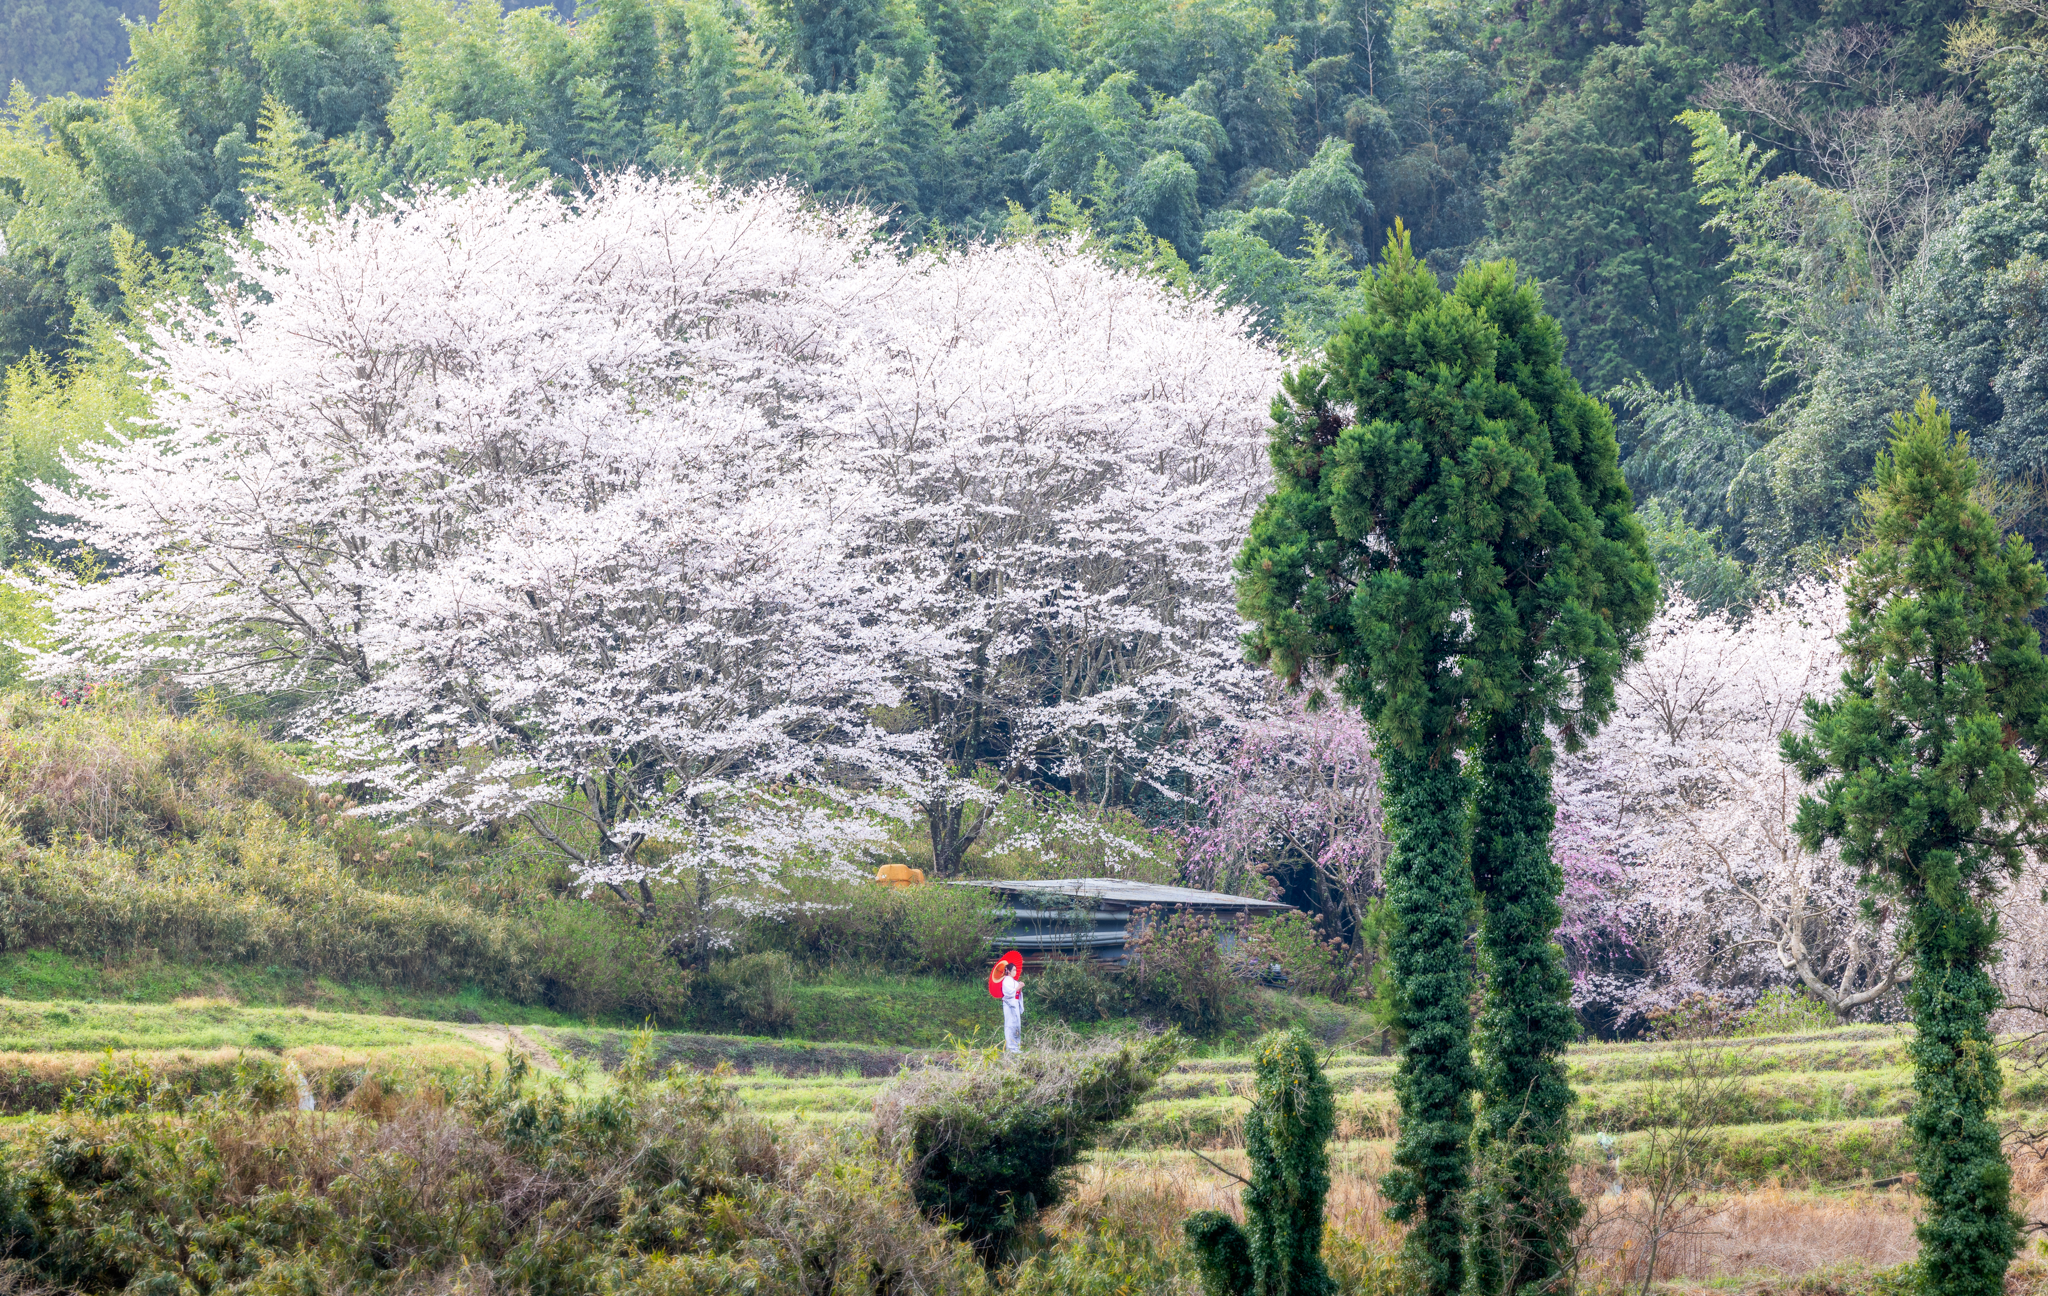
(498, 1183)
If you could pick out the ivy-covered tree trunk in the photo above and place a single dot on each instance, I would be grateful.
(1429, 890)
(1970, 1232)
(1523, 1208)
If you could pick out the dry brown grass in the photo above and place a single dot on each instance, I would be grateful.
(1760, 1235)
(1768, 1232)
(1148, 1195)
(206, 1003)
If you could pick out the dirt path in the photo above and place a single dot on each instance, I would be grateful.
(498, 1038)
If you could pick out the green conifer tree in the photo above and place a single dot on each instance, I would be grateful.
(1279, 1251)
(1451, 541)
(1933, 753)
(1357, 568)
(1576, 586)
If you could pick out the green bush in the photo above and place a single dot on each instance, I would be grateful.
(1279, 1251)
(1310, 964)
(593, 959)
(932, 929)
(1697, 1016)
(1177, 968)
(754, 993)
(122, 1085)
(1079, 990)
(500, 1184)
(1785, 1011)
(991, 1138)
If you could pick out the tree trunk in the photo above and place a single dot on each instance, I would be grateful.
(1524, 1211)
(1429, 886)
(1970, 1233)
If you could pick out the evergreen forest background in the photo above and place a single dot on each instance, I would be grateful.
(1764, 227)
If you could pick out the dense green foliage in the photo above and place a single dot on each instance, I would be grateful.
(993, 1137)
(1758, 341)
(1451, 532)
(59, 47)
(1279, 1251)
(1932, 754)
(500, 1182)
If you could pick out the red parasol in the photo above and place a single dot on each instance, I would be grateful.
(995, 974)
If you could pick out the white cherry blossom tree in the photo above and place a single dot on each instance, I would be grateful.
(532, 508)
(1071, 455)
(694, 527)
(1686, 787)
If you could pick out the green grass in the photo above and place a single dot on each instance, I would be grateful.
(64, 1026)
(43, 974)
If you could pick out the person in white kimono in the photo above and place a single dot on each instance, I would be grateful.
(1013, 1007)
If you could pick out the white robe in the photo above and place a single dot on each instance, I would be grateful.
(1013, 1014)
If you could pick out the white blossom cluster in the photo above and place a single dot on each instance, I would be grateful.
(1686, 789)
(683, 522)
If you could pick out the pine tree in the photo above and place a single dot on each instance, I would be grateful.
(1933, 752)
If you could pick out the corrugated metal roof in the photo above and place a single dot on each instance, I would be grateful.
(1119, 891)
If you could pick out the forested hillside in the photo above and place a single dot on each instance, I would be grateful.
(1762, 230)
(67, 46)
(1849, 214)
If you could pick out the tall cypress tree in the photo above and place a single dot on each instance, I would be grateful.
(1449, 541)
(1933, 751)
(1576, 587)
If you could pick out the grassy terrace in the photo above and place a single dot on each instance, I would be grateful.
(1818, 1110)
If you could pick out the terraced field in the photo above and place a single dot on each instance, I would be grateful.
(1810, 1111)
(1819, 1110)
(1810, 1159)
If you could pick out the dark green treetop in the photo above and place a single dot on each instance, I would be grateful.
(1449, 531)
(1937, 741)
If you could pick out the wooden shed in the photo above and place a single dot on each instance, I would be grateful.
(1091, 917)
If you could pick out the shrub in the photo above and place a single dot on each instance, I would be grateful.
(1785, 1011)
(941, 930)
(752, 992)
(992, 1137)
(1177, 968)
(1078, 990)
(131, 1084)
(1310, 964)
(593, 959)
(1697, 1016)
(498, 1184)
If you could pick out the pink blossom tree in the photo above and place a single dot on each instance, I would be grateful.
(1295, 805)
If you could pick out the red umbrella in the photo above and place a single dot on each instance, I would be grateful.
(995, 974)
